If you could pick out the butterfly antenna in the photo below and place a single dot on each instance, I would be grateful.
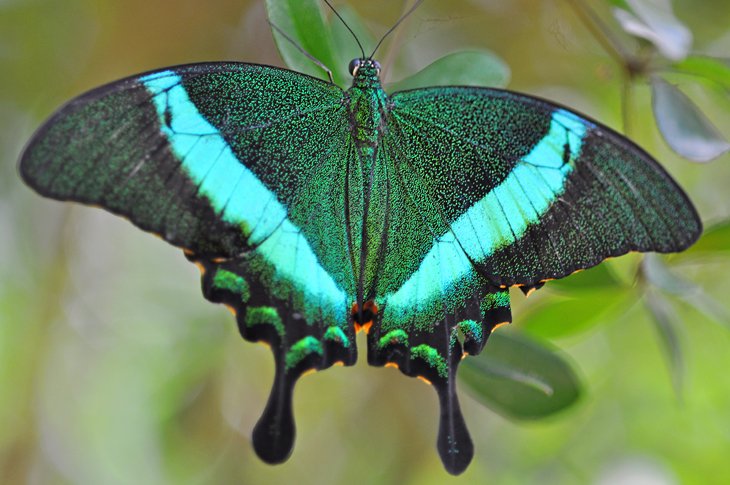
(347, 27)
(301, 49)
(410, 11)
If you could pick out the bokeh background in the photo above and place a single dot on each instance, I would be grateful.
(113, 369)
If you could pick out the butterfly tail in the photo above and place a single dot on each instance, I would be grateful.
(274, 433)
(453, 443)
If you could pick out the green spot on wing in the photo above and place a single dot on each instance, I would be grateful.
(432, 358)
(466, 330)
(393, 337)
(226, 280)
(265, 315)
(336, 334)
(301, 350)
(492, 301)
(471, 329)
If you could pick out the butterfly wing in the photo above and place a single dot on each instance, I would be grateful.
(532, 191)
(228, 161)
(170, 149)
(494, 189)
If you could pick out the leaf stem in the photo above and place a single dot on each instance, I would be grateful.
(601, 33)
(626, 99)
(630, 64)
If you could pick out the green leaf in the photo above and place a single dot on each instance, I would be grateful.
(664, 318)
(654, 21)
(619, 3)
(686, 130)
(711, 68)
(467, 68)
(597, 277)
(304, 22)
(563, 317)
(519, 378)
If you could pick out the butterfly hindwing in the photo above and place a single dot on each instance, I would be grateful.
(429, 343)
(270, 310)
(425, 321)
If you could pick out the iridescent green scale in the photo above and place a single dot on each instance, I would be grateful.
(315, 212)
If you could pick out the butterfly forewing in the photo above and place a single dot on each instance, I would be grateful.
(200, 154)
(530, 190)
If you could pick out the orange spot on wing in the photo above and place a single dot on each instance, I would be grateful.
(230, 309)
(309, 372)
(500, 324)
(421, 378)
(392, 365)
(365, 328)
(369, 310)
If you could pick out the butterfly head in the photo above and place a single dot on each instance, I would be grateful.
(364, 67)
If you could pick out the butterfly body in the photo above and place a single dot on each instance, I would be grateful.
(366, 204)
(314, 212)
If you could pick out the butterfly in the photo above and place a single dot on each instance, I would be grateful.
(316, 212)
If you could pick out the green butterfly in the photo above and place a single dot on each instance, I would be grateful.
(316, 212)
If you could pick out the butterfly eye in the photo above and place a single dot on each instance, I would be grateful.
(354, 66)
(377, 67)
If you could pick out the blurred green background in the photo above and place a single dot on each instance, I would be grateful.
(113, 369)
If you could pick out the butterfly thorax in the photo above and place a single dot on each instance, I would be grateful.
(367, 101)
(366, 180)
